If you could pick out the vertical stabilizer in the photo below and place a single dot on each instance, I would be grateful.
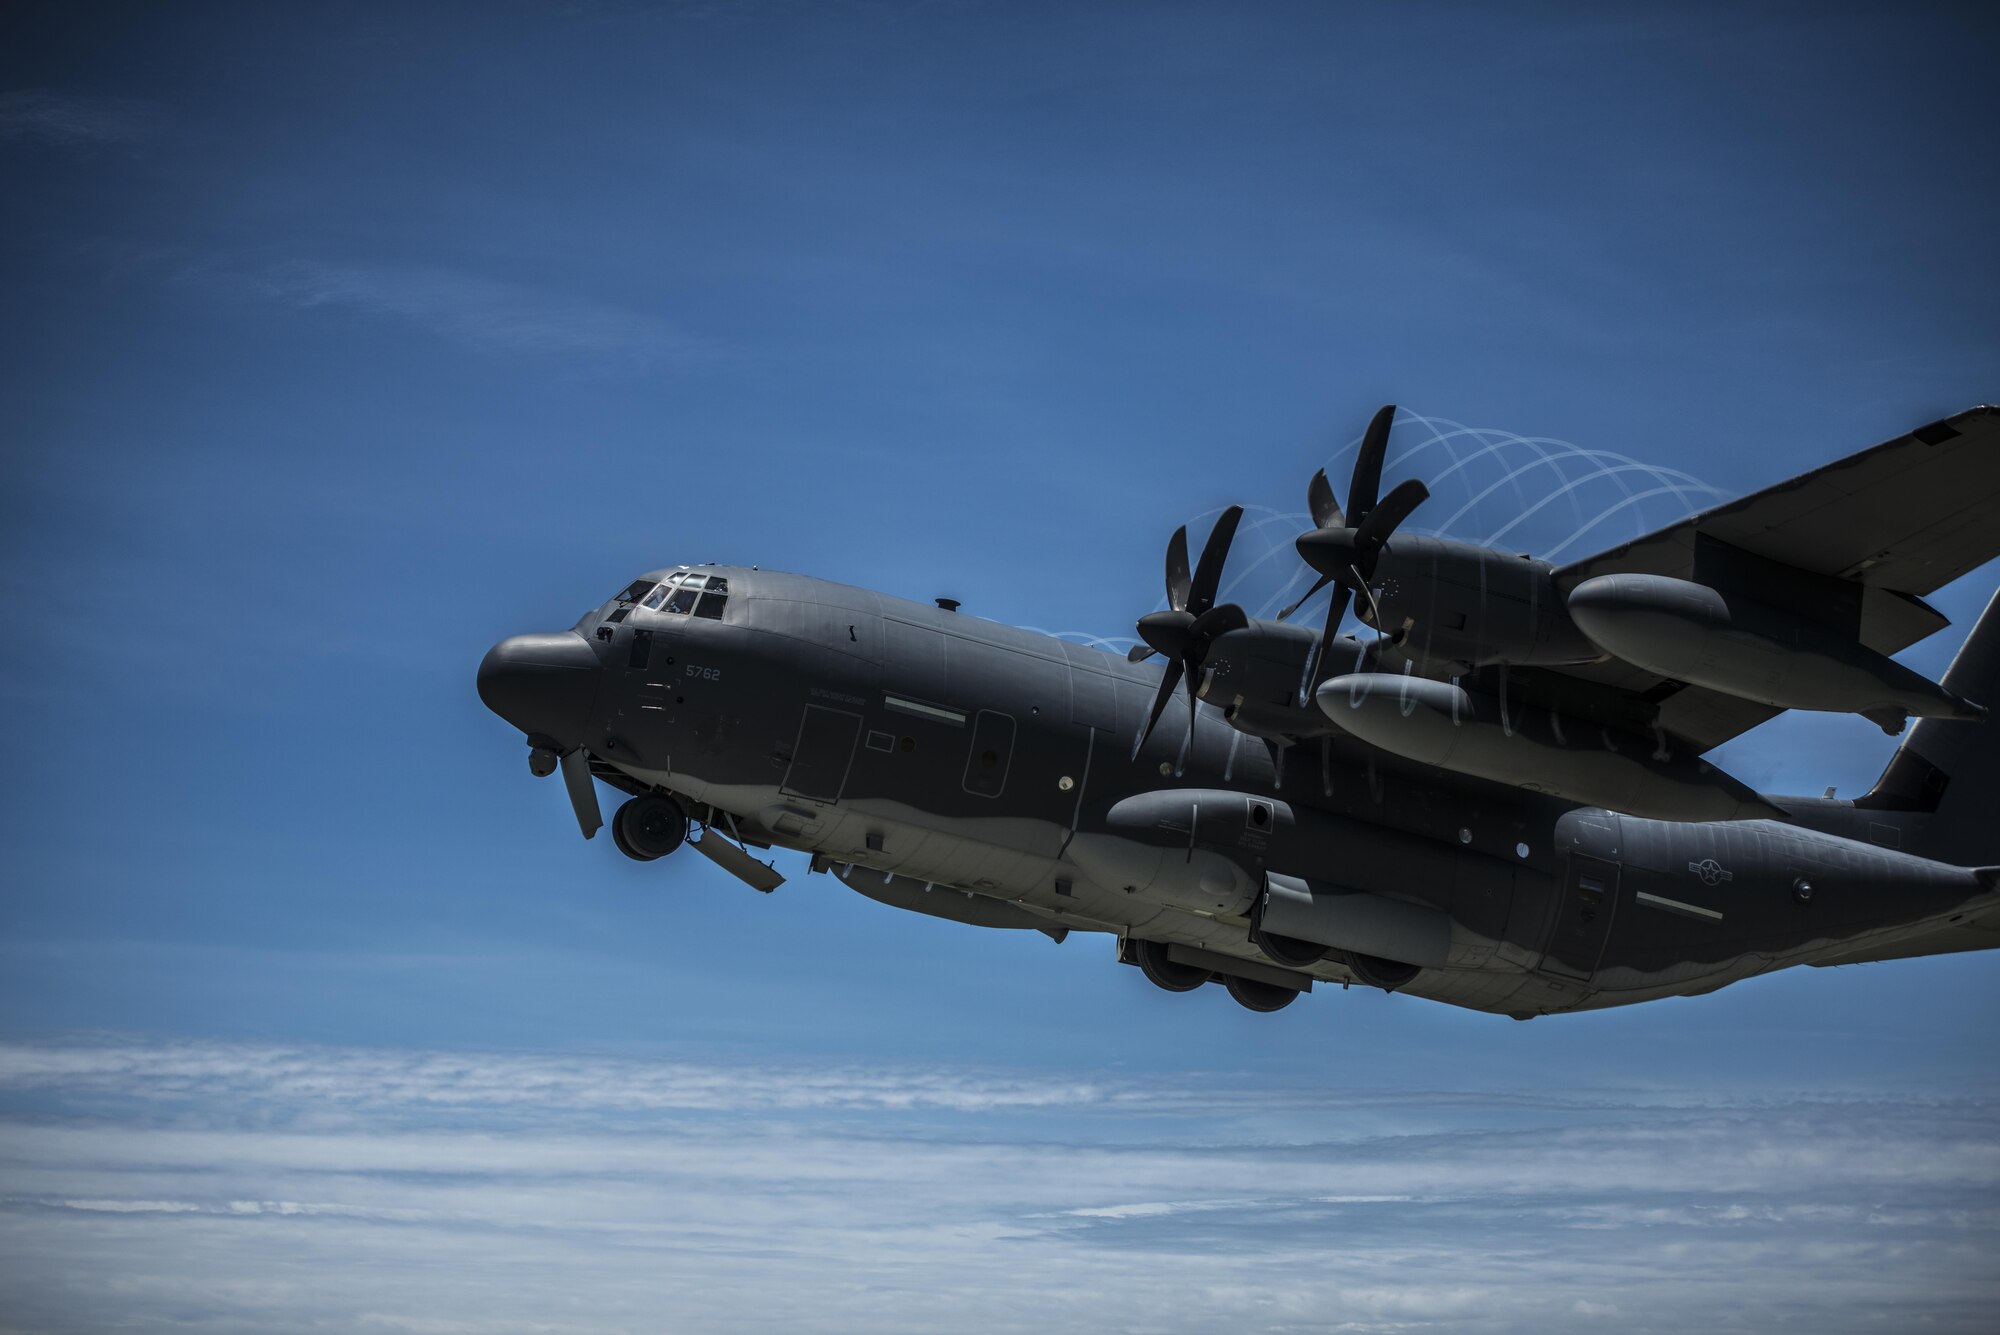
(1947, 773)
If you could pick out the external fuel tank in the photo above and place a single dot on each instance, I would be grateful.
(1469, 732)
(1693, 633)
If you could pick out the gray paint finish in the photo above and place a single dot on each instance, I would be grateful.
(951, 765)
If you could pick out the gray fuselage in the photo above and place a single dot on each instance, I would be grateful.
(923, 753)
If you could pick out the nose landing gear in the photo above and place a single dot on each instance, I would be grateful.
(649, 827)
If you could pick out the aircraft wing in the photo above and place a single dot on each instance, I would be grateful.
(1901, 520)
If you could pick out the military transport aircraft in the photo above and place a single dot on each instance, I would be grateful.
(1494, 796)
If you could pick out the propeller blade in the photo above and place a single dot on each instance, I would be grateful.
(1319, 499)
(1383, 519)
(1367, 483)
(1177, 570)
(582, 792)
(1168, 680)
(1372, 614)
(1194, 674)
(1208, 573)
(1217, 622)
(1318, 584)
(1336, 608)
(1139, 653)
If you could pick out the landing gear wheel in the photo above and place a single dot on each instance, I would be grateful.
(1286, 950)
(1163, 972)
(1259, 996)
(649, 827)
(618, 838)
(1375, 971)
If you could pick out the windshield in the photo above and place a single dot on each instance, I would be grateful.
(636, 590)
(683, 593)
(692, 594)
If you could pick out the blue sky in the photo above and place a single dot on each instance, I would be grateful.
(341, 343)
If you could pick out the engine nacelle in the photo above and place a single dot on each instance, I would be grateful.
(1468, 732)
(1728, 643)
(1451, 602)
(1254, 676)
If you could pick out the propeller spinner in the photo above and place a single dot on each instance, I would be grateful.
(1344, 546)
(1192, 622)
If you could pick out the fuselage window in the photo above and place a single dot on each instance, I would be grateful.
(712, 598)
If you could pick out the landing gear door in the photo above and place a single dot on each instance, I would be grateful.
(1583, 917)
(823, 754)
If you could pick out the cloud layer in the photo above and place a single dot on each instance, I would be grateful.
(252, 1187)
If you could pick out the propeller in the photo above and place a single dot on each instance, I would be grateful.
(1192, 622)
(1344, 546)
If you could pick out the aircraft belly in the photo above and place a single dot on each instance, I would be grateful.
(1500, 991)
(991, 856)
(1196, 879)
(1691, 908)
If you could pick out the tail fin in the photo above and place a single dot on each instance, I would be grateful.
(1947, 772)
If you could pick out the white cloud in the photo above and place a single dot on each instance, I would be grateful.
(272, 1187)
(342, 1076)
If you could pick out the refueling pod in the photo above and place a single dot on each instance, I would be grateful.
(1726, 642)
(1469, 732)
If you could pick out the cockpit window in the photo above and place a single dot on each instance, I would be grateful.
(636, 590)
(685, 593)
(712, 598)
(659, 594)
(691, 593)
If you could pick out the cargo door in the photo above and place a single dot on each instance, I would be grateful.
(1583, 917)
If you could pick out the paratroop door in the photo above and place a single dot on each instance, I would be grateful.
(823, 755)
(992, 753)
(1583, 917)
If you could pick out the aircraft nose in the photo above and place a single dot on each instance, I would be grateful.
(542, 684)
